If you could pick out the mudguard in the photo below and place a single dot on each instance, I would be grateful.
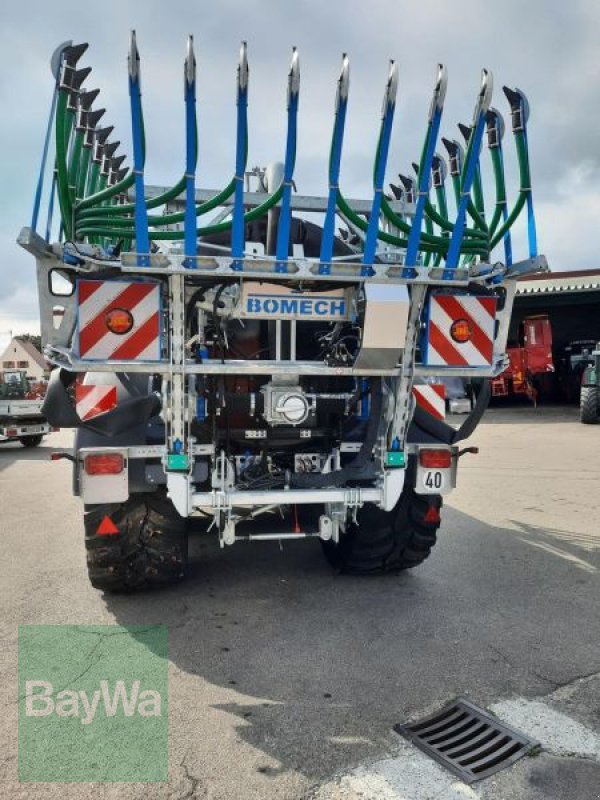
(442, 432)
(60, 412)
(589, 377)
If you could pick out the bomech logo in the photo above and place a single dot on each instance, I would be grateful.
(280, 305)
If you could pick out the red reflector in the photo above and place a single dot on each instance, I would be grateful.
(107, 527)
(432, 516)
(56, 456)
(435, 459)
(119, 321)
(104, 464)
(461, 331)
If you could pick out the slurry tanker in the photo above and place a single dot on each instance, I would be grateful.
(260, 360)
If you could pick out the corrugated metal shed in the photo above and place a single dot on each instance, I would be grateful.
(574, 282)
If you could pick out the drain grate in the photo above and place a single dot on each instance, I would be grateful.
(467, 741)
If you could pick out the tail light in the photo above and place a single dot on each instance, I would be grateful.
(104, 464)
(461, 331)
(12, 432)
(435, 459)
(119, 320)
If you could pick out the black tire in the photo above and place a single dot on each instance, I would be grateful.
(30, 441)
(149, 550)
(387, 541)
(588, 405)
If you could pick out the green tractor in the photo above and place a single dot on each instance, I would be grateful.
(589, 399)
(13, 385)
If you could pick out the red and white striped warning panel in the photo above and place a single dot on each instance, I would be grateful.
(119, 320)
(460, 330)
(432, 398)
(93, 400)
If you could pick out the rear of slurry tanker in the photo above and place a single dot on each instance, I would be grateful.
(256, 372)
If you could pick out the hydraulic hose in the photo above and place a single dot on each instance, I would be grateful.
(82, 178)
(74, 164)
(500, 190)
(62, 182)
(360, 467)
(525, 188)
(220, 227)
(92, 184)
(428, 243)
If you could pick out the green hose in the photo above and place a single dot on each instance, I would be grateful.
(92, 217)
(430, 212)
(93, 178)
(62, 181)
(525, 181)
(440, 194)
(426, 245)
(478, 196)
(84, 165)
(429, 231)
(74, 164)
(128, 208)
(220, 227)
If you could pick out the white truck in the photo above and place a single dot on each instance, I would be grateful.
(21, 419)
(264, 373)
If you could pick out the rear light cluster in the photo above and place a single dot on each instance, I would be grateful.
(435, 459)
(104, 464)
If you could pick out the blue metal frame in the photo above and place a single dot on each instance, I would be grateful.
(414, 237)
(335, 160)
(468, 175)
(285, 213)
(190, 223)
(370, 245)
(238, 242)
(142, 239)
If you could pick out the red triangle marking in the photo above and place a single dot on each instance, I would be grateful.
(107, 527)
(432, 516)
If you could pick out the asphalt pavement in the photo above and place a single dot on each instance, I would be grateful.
(286, 679)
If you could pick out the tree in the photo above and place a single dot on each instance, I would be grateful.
(35, 340)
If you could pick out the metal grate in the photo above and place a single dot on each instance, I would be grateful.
(467, 741)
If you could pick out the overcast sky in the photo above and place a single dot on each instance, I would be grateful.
(547, 48)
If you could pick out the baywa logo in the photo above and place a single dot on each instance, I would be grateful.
(93, 703)
(40, 701)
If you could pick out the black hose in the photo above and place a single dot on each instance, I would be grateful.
(362, 467)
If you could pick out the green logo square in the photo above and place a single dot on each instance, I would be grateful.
(93, 703)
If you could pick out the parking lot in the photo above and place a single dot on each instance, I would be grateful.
(286, 679)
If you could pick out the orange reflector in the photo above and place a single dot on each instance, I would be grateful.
(119, 321)
(104, 464)
(107, 527)
(435, 459)
(461, 331)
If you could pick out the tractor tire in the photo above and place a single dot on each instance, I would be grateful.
(383, 541)
(30, 441)
(148, 550)
(589, 405)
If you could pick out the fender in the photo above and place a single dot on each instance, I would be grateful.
(441, 431)
(589, 377)
(60, 412)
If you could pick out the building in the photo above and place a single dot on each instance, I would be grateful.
(23, 355)
(571, 301)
